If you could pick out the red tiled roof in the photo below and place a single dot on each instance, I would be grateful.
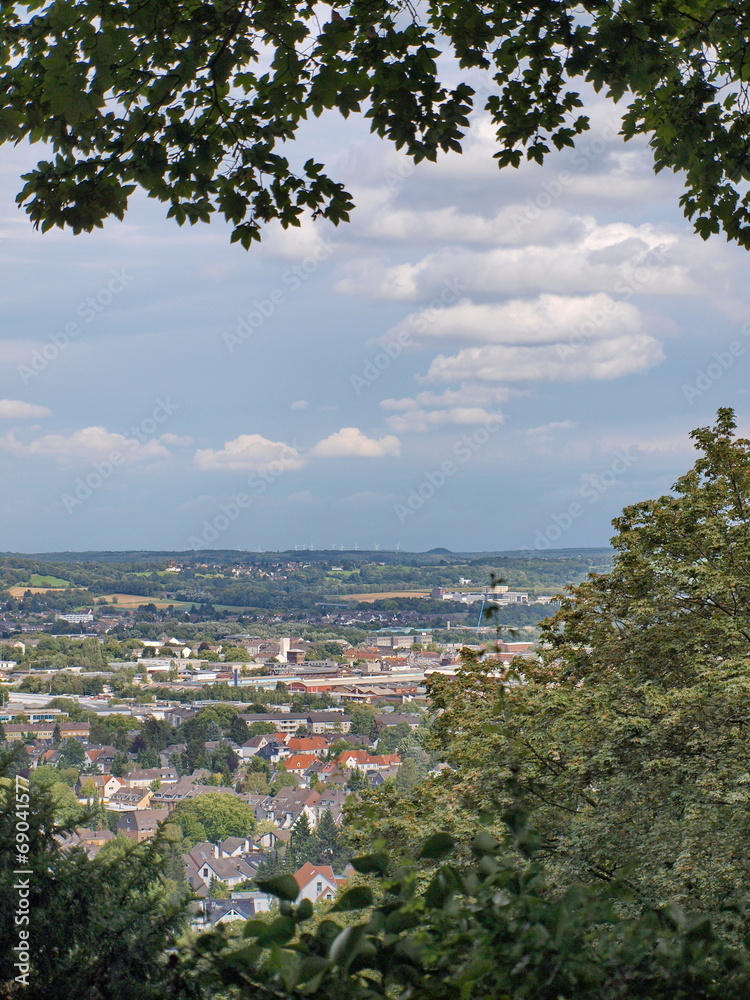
(300, 761)
(308, 872)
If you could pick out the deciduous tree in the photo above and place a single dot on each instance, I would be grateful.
(220, 814)
(195, 104)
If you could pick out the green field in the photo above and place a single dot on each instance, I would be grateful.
(46, 581)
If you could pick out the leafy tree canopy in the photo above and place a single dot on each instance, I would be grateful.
(219, 814)
(629, 738)
(126, 917)
(489, 929)
(72, 754)
(194, 102)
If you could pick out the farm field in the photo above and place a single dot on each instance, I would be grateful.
(19, 591)
(137, 601)
(382, 595)
(48, 581)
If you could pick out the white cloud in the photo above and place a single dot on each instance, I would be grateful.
(424, 420)
(298, 243)
(15, 409)
(86, 445)
(350, 442)
(602, 359)
(466, 395)
(300, 404)
(465, 405)
(547, 319)
(509, 226)
(554, 425)
(613, 257)
(180, 441)
(247, 453)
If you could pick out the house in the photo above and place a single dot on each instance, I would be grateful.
(101, 757)
(197, 885)
(328, 722)
(76, 730)
(285, 722)
(330, 798)
(202, 851)
(242, 906)
(234, 847)
(286, 807)
(106, 785)
(229, 871)
(273, 840)
(130, 799)
(317, 882)
(376, 778)
(274, 748)
(299, 763)
(169, 795)
(176, 716)
(367, 762)
(333, 773)
(141, 824)
(144, 777)
(316, 745)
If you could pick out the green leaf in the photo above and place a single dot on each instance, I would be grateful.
(354, 899)
(370, 864)
(437, 846)
(282, 886)
(485, 843)
(346, 945)
(278, 931)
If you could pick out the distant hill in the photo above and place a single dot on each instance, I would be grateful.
(309, 556)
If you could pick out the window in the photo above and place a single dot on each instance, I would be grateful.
(318, 887)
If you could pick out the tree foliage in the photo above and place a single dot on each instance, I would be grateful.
(628, 740)
(98, 928)
(195, 102)
(215, 816)
(489, 929)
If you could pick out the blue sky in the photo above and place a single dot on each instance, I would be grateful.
(480, 360)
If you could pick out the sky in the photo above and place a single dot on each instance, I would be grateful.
(479, 360)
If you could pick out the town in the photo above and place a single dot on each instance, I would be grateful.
(141, 713)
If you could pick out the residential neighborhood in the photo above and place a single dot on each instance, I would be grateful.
(246, 750)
